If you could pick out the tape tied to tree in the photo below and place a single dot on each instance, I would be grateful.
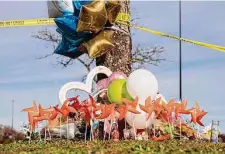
(122, 18)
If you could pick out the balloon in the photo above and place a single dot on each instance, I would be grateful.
(100, 44)
(68, 48)
(138, 120)
(64, 6)
(79, 3)
(112, 9)
(143, 84)
(67, 23)
(104, 83)
(117, 75)
(117, 91)
(92, 17)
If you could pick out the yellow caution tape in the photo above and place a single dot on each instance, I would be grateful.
(211, 46)
(48, 21)
(122, 18)
(28, 22)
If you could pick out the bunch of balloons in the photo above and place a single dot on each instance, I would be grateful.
(140, 83)
(83, 26)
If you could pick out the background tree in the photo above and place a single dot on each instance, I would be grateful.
(120, 58)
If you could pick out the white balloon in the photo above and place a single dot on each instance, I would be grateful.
(142, 83)
(64, 6)
(138, 121)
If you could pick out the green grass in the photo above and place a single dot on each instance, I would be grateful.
(110, 147)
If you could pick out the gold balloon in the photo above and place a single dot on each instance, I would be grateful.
(93, 17)
(113, 8)
(100, 44)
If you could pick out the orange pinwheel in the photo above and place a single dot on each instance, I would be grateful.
(132, 105)
(148, 108)
(91, 102)
(33, 108)
(32, 123)
(54, 113)
(158, 107)
(85, 114)
(76, 103)
(197, 115)
(181, 108)
(43, 111)
(122, 109)
(107, 110)
(65, 109)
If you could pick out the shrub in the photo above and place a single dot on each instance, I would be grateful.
(8, 135)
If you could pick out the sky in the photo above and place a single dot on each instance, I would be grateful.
(24, 78)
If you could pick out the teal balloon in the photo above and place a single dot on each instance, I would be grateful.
(117, 90)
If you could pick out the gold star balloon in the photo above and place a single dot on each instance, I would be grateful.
(113, 8)
(100, 44)
(93, 17)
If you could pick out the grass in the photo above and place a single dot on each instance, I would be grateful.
(110, 147)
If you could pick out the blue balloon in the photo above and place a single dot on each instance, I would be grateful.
(67, 23)
(68, 47)
(77, 4)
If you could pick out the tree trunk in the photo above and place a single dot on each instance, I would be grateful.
(119, 58)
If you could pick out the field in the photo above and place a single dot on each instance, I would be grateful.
(109, 147)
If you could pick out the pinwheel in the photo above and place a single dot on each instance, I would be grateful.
(122, 109)
(157, 107)
(33, 108)
(32, 111)
(148, 108)
(65, 109)
(180, 108)
(197, 115)
(32, 123)
(107, 111)
(132, 105)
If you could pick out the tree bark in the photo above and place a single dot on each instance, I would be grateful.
(119, 57)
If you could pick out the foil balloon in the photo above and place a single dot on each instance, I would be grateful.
(77, 4)
(68, 47)
(67, 23)
(64, 6)
(93, 17)
(100, 44)
(112, 9)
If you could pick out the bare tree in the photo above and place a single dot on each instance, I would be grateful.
(141, 57)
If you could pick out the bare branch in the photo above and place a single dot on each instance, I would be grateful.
(46, 56)
(142, 57)
(47, 35)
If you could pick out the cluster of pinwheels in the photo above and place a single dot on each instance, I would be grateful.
(83, 28)
(164, 111)
(92, 110)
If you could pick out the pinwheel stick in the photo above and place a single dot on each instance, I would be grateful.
(85, 133)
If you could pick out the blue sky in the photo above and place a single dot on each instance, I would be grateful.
(24, 78)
